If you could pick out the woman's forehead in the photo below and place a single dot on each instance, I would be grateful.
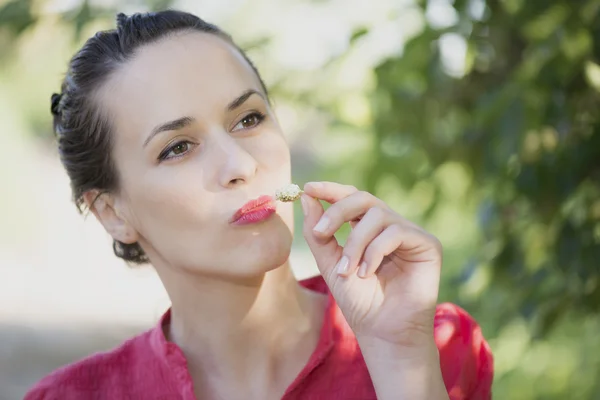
(185, 60)
(178, 75)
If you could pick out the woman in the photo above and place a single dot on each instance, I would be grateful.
(166, 131)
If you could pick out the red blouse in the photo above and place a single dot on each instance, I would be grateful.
(148, 367)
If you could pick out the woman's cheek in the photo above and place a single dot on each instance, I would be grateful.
(273, 151)
(172, 196)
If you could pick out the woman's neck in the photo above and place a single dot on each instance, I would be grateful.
(257, 332)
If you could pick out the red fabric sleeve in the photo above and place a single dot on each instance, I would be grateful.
(465, 356)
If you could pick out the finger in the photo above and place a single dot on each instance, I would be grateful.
(348, 209)
(331, 192)
(383, 245)
(420, 279)
(413, 245)
(365, 231)
(326, 250)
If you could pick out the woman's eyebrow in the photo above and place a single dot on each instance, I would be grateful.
(182, 122)
(174, 125)
(242, 99)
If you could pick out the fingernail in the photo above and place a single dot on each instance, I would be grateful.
(362, 270)
(304, 206)
(315, 185)
(322, 224)
(342, 265)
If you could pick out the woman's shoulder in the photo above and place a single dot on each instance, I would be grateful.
(92, 374)
(453, 319)
(454, 327)
(465, 356)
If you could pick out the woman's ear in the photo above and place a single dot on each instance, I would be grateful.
(102, 205)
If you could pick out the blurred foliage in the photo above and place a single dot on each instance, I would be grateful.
(18, 15)
(523, 120)
(512, 136)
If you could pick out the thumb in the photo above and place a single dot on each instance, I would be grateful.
(326, 251)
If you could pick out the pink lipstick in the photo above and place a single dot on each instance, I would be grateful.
(254, 211)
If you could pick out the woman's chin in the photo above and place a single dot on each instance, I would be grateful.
(266, 255)
(250, 269)
(242, 254)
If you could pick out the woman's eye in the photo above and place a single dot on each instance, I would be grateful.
(180, 148)
(249, 121)
(176, 150)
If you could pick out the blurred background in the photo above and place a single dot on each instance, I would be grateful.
(478, 119)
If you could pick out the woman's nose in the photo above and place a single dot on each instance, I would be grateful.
(237, 165)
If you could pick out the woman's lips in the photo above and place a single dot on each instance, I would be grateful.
(254, 211)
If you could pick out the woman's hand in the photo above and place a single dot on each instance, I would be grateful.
(385, 281)
(386, 278)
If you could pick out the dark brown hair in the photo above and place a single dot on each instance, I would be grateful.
(83, 131)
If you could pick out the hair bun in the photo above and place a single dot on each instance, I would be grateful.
(121, 20)
(55, 103)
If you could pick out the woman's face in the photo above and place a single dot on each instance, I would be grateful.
(194, 140)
